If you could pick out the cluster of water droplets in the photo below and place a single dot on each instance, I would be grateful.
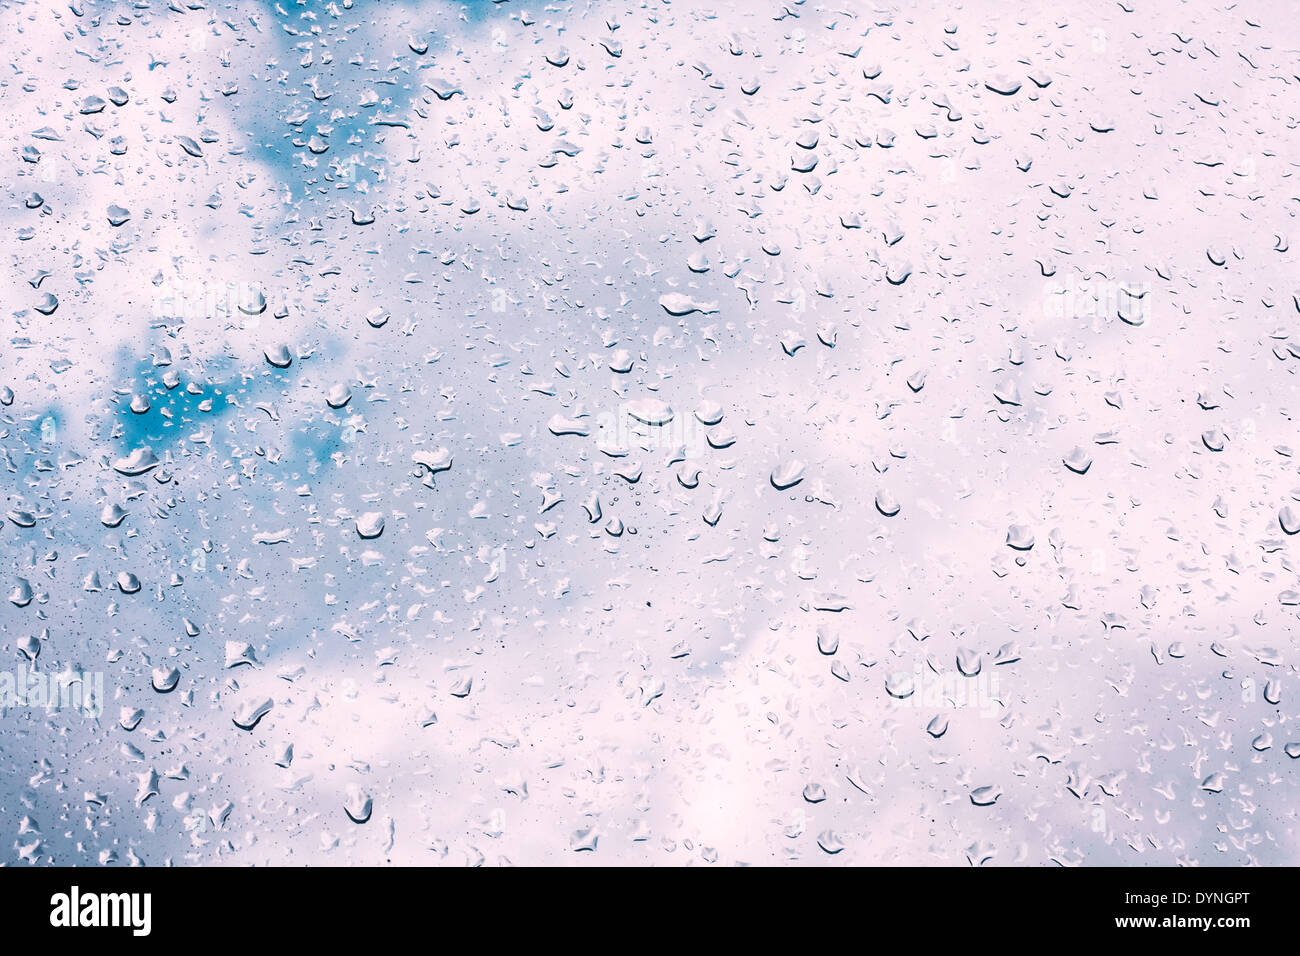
(649, 433)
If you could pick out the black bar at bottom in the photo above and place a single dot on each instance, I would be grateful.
(266, 906)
